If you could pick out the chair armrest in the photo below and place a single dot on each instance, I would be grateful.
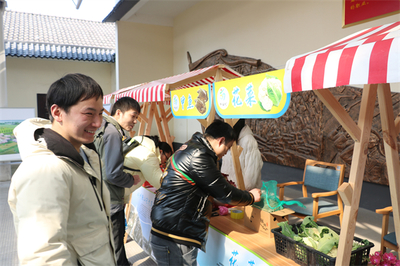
(385, 211)
(290, 183)
(324, 194)
(282, 186)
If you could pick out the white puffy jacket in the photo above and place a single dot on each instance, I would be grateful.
(60, 215)
(146, 159)
(250, 161)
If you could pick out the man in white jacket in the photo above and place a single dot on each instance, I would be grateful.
(250, 159)
(61, 207)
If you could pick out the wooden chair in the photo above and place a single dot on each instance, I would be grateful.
(387, 239)
(326, 177)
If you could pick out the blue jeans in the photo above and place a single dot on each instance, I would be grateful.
(169, 253)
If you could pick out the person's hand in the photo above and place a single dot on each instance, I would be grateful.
(256, 193)
(136, 179)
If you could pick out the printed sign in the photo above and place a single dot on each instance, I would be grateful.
(192, 102)
(221, 250)
(255, 96)
(360, 10)
(139, 222)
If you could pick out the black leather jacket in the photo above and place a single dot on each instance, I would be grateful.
(181, 210)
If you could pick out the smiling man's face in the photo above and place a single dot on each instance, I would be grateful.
(79, 125)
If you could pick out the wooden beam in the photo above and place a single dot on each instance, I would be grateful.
(143, 115)
(211, 116)
(346, 193)
(151, 116)
(164, 121)
(390, 133)
(203, 122)
(158, 118)
(339, 113)
(356, 177)
(169, 117)
(397, 125)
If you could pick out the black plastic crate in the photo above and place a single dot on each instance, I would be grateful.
(306, 255)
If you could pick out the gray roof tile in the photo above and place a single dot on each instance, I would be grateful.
(43, 36)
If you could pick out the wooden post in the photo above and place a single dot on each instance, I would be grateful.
(165, 117)
(356, 175)
(153, 108)
(158, 118)
(143, 118)
(391, 152)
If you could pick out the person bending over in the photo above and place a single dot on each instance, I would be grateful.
(145, 160)
(181, 212)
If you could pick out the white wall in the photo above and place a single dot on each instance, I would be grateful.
(27, 77)
(270, 30)
(145, 53)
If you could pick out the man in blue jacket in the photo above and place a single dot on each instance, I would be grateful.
(109, 143)
(181, 212)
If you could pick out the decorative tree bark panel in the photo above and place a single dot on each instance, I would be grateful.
(308, 130)
(243, 65)
(294, 137)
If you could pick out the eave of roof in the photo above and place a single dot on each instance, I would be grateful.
(69, 52)
(42, 36)
(120, 10)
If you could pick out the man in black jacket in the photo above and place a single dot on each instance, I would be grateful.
(181, 212)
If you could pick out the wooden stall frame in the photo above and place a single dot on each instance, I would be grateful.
(351, 192)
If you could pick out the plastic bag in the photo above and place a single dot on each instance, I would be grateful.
(269, 201)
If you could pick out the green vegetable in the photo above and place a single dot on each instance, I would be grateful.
(308, 221)
(287, 231)
(321, 238)
(326, 243)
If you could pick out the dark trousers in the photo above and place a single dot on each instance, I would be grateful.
(118, 221)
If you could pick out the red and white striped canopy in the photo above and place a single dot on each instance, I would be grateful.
(158, 90)
(371, 56)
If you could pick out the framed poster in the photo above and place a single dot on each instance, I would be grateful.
(9, 119)
(357, 11)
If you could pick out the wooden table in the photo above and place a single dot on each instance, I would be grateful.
(257, 242)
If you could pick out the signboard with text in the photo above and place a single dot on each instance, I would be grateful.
(255, 96)
(192, 102)
(359, 10)
(221, 250)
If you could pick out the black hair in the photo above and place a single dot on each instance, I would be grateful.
(70, 89)
(238, 127)
(154, 138)
(125, 104)
(165, 147)
(218, 129)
